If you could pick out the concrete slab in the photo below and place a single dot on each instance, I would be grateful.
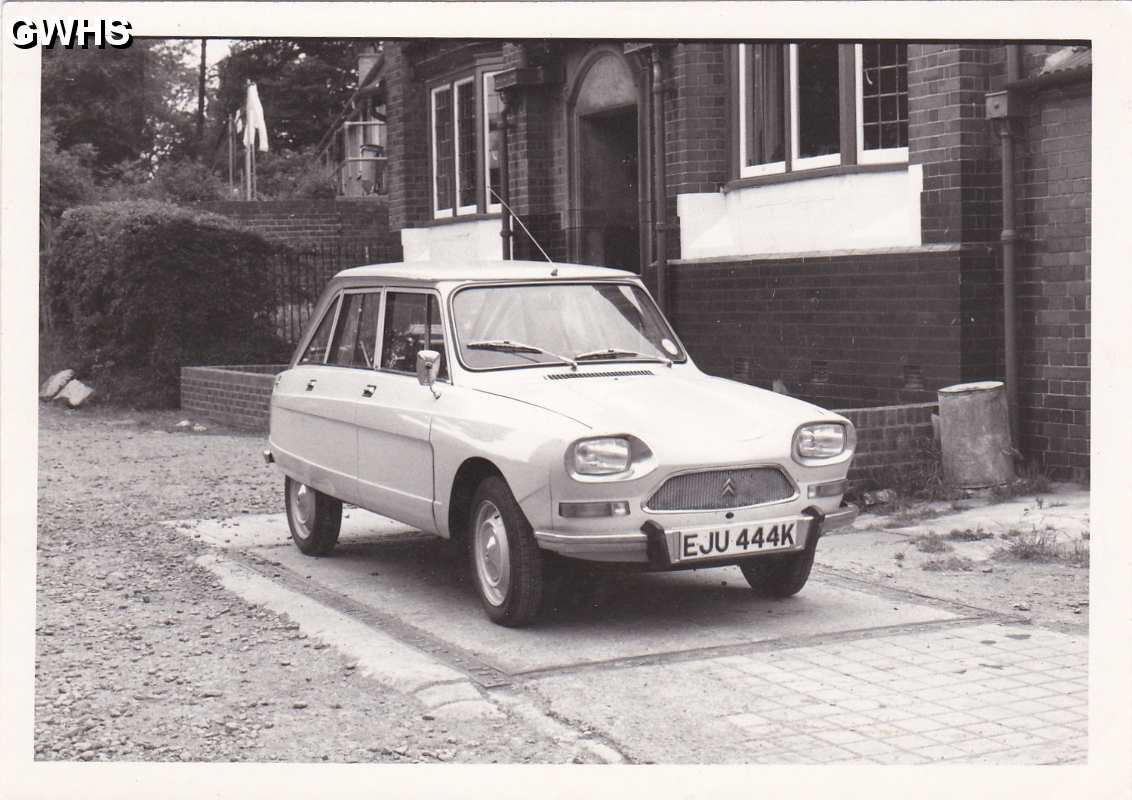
(262, 530)
(426, 583)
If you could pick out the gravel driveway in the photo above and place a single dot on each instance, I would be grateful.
(141, 655)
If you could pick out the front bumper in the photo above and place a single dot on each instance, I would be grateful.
(662, 552)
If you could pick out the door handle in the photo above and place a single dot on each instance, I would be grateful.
(311, 383)
(369, 390)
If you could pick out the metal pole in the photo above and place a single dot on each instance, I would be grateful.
(247, 171)
(660, 200)
(1009, 239)
(232, 151)
(504, 175)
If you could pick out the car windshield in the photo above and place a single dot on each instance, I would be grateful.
(555, 323)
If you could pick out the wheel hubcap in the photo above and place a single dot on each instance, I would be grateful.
(302, 505)
(493, 559)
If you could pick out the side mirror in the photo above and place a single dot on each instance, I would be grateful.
(428, 367)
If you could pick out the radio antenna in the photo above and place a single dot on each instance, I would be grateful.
(516, 217)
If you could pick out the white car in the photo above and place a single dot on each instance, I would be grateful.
(529, 408)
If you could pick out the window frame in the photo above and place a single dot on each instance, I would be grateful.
(477, 77)
(850, 99)
(797, 163)
(492, 207)
(756, 170)
(880, 155)
(332, 309)
(440, 307)
(380, 292)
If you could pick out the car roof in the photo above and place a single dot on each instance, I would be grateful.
(471, 270)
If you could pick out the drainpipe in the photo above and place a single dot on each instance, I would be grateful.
(504, 174)
(660, 183)
(1009, 238)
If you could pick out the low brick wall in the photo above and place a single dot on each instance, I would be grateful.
(891, 440)
(237, 394)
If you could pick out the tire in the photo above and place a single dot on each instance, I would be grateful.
(507, 565)
(313, 517)
(780, 576)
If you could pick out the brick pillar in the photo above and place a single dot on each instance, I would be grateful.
(949, 135)
(697, 126)
(536, 150)
(407, 130)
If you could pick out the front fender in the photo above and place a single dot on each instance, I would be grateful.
(523, 441)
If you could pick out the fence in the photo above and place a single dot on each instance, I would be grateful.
(299, 273)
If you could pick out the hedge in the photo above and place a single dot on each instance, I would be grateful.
(137, 290)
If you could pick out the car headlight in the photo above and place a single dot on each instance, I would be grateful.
(606, 456)
(822, 440)
(609, 457)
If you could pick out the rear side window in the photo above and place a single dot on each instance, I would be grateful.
(412, 324)
(316, 350)
(356, 335)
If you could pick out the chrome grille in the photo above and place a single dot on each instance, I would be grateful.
(721, 489)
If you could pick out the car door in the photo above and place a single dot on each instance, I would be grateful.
(317, 399)
(395, 459)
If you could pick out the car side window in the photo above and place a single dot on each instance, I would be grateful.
(412, 324)
(316, 349)
(356, 334)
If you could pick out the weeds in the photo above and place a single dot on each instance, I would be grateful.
(969, 535)
(1030, 480)
(910, 516)
(932, 543)
(1043, 545)
(949, 564)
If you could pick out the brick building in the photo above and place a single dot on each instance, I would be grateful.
(832, 213)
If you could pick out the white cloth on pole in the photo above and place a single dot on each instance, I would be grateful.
(254, 121)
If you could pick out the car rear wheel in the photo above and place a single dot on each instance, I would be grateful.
(314, 518)
(507, 564)
(780, 576)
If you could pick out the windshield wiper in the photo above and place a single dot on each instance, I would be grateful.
(615, 352)
(508, 346)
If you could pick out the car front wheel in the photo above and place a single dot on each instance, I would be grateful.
(314, 518)
(506, 562)
(780, 576)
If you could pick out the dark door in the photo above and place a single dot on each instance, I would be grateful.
(607, 147)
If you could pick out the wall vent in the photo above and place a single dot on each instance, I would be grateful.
(819, 370)
(913, 377)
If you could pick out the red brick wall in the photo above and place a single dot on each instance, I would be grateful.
(407, 140)
(888, 327)
(949, 135)
(891, 440)
(237, 395)
(1053, 166)
(316, 221)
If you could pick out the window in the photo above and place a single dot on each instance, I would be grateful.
(412, 324)
(465, 140)
(492, 121)
(808, 105)
(814, 105)
(356, 332)
(316, 348)
(762, 122)
(882, 102)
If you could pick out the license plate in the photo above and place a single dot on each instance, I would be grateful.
(738, 541)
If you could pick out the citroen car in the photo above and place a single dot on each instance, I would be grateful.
(534, 411)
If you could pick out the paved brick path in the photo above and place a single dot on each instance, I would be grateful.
(984, 693)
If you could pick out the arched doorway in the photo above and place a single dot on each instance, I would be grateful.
(604, 225)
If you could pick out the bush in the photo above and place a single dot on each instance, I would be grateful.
(139, 289)
(174, 181)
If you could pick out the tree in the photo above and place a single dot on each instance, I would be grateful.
(303, 85)
(126, 104)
